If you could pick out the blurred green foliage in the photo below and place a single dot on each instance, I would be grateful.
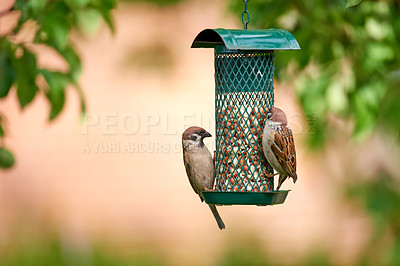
(243, 250)
(345, 63)
(53, 21)
(249, 250)
(351, 3)
(6, 158)
(48, 250)
(381, 199)
(156, 2)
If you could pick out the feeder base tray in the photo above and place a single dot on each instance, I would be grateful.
(245, 198)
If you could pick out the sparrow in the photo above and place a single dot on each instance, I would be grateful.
(199, 165)
(278, 146)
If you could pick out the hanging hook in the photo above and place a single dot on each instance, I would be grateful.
(245, 22)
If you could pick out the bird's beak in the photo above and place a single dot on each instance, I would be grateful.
(269, 115)
(206, 135)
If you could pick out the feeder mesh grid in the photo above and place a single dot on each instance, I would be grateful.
(244, 89)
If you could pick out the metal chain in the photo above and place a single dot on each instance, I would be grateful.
(247, 15)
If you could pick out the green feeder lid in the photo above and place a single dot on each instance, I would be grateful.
(245, 198)
(260, 39)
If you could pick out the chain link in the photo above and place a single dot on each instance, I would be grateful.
(245, 22)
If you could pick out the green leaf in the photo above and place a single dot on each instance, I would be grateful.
(7, 74)
(365, 117)
(104, 4)
(26, 77)
(336, 97)
(37, 6)
(25, 15)
(57, 82)
(83, 102)
(75, 66)
(83, 109)
(77, 3)
(108, 19)
(6, 158)
(351, 3)
(57, 28)
(88, 20)
(1, 129)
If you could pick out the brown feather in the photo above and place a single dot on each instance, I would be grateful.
(284, 150)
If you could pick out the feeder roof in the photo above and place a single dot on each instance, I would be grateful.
(260, 39)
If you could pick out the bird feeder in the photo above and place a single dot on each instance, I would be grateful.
(244, 90)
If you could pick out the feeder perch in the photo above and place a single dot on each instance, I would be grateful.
(244, 90)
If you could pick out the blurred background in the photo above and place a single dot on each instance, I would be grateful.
(94, 96)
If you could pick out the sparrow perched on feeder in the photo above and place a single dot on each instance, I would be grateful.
(199, 165)
(278, 145)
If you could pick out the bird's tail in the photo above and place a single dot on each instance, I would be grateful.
(282, 179)
(214, 211)
(294, 176)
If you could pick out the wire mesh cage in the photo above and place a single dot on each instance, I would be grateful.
(244, 90)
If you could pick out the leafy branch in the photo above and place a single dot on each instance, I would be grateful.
(349, 63)
(50, 23)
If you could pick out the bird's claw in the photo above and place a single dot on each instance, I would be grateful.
(266, 174)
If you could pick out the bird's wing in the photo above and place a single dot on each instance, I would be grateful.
(215, 170)
(284, 150)
(188, 172)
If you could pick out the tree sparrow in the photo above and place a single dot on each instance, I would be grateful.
(199, 165)
(278, 145)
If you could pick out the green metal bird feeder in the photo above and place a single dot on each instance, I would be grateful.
(244, 90)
